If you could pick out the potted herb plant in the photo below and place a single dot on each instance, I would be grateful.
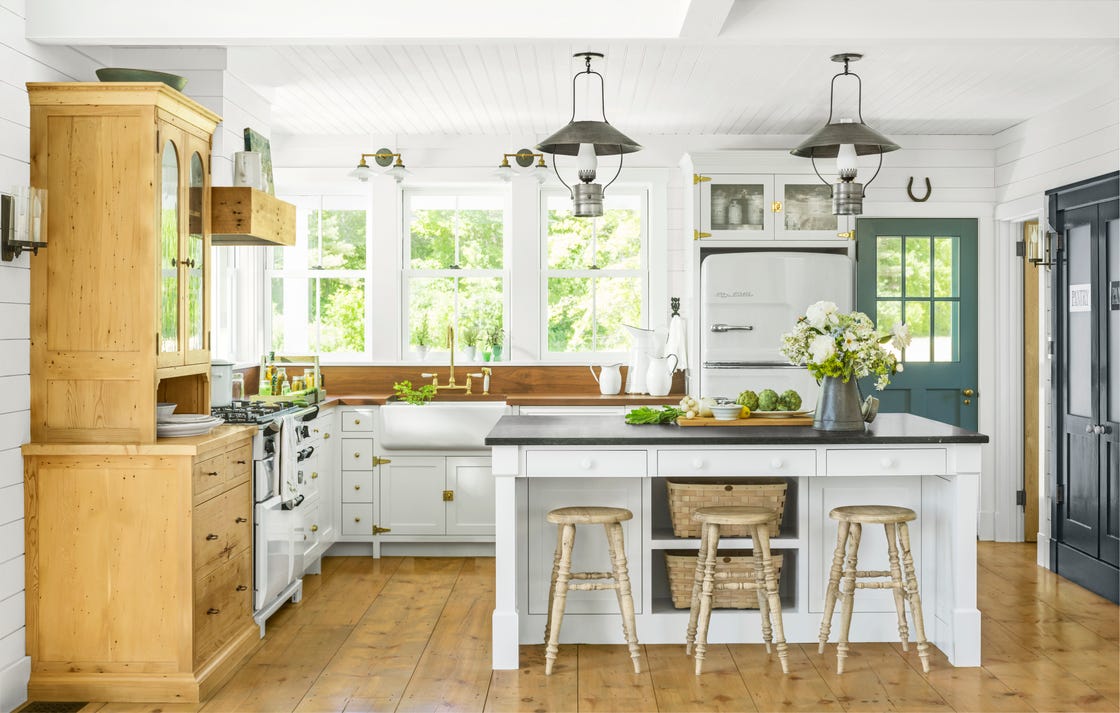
(495, 338)
(468, 339)
(421, 336)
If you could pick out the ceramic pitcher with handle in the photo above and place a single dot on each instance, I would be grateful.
(609, 378)
(659, 375)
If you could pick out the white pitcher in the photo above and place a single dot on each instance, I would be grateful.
(659, 376)
(609, 378)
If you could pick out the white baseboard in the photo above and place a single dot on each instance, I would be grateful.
(13, 684)
(437, 549)
(1042, 556)
(986, 526)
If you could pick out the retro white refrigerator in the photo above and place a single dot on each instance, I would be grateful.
(748, 300)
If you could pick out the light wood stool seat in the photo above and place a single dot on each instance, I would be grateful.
(562, 575)
(903, 582)
(706, 582)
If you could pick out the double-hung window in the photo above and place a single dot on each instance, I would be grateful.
(595, 274)
(318, 287)
(454, 269)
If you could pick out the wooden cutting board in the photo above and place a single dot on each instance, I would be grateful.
(752, 421)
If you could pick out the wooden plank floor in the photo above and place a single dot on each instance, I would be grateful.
(413, 634)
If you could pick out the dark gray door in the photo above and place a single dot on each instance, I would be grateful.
(1086, 514)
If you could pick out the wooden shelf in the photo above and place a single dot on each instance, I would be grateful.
(246, 216)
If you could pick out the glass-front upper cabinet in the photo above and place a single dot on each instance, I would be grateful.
(170, 346)
(194, 263)
(735, 207)
(805, 212)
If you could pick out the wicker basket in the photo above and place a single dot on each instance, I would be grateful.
(736, 565)
(684, 498)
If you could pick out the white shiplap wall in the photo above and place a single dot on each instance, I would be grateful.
(1076, 141)
(20, 62)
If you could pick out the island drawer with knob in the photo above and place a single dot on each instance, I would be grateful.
(885, 461)
(357, 486)
(356, 454)
(222, 527)
(213, 474)
(223, 599)
(360, 421)
(357, 519)
(741, 462)
(589, 463)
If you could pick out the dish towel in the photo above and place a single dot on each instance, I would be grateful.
(678, 338)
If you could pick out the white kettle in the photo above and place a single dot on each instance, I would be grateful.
(609, 378)
(659, 375)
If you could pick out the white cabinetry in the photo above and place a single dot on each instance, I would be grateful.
(442, 496)
(357, 498)
(316, 528)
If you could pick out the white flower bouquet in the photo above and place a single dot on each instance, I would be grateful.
(831, 343)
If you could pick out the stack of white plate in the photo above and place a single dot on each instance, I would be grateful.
(185, 424)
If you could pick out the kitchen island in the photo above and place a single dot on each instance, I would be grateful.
(544, 462)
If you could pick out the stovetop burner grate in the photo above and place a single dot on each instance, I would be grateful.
(253, 411)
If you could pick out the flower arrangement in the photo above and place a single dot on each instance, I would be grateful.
(831, 343)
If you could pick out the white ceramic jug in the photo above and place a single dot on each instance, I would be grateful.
(609, 378)
(659, 376)
(643, 345)
(247, 169)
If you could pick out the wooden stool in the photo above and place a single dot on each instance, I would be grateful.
(611, 519)
(704, 585)
(903, 581)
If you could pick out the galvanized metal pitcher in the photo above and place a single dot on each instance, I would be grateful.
(839, 407)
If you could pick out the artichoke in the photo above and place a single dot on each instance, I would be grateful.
(790, 400)
(767, 400)
(749, 399)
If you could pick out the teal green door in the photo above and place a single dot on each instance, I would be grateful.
(922, 271)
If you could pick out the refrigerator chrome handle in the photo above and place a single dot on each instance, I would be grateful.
(720, 327)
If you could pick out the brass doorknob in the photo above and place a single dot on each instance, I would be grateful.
(314, 528)
(969, 392)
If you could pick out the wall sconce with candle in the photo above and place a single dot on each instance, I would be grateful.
(21, 221)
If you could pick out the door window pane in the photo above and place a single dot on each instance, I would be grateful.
(1079, 337)
(945, 325)
(917, 267)
(917, 318)
(1112, 247)
(945, 267)
(888, 267)
(887, 315)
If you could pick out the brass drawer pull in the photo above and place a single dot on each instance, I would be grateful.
(357, 487)
(357, 422)
(314, 528)
(241, 519)
(240, 462)
(212, 611)
(241, 587)
(212, 473)
(357, 519)
(211, 536)
(357, 455)
(314, 475)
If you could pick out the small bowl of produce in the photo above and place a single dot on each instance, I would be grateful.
(163, 410)
(726, 412)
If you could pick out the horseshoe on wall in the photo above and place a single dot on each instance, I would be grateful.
(910, 191)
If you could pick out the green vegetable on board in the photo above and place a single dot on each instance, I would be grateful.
(767, 400)
(749, 399)
(790, 400)
(645, 414)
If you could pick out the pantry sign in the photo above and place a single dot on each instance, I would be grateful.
(1080, 298)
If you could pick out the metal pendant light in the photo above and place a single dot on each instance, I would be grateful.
(845, 140)
(588, 140)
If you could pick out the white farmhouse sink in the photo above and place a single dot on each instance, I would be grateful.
(438, 426)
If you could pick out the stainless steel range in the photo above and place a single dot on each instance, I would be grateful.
(277, 567)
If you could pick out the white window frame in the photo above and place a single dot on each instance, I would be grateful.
(642, 273)
(293, 255)
(407, 273)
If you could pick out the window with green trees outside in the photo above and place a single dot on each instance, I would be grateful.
(318, 286)
(454, 271)
(595, 274)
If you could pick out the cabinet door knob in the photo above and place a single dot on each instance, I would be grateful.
(357, 487)
(241, 587)
(777, 463)
(212, 611)
(240, 462)
(212, 473)
(326, 436)
(357, 422)
(314, 528)
(357, 455)
(697, 464)
(357, 519)
(241, 519)
(886, 462)
(314, 475)
(211, 536)
(586, 464)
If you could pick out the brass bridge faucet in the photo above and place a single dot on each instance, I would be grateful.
(451, 385)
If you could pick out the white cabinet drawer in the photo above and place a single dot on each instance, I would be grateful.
(357, 518)
(357, 421)
(752, 462)
(357, 454)
(885, 461)
(602, 464)
(357, 486)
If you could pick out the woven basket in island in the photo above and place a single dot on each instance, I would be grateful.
(685, 498)
(731, 566)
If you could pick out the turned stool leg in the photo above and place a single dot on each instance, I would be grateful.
(697, 580)
(625, 596)
(760, 589)
(833, 588)
(897, 587)
(552, 581)
(915, 598)
(706, 594)
(761, 535)
(556, 606)
(847, 595)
